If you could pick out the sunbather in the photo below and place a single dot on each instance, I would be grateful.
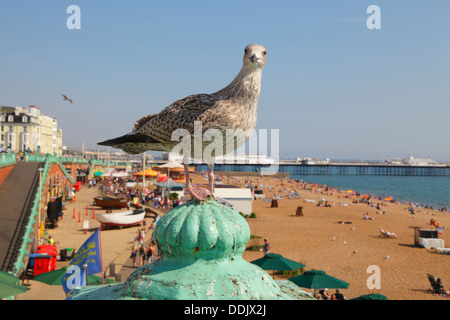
(388, 234)
(366, 217)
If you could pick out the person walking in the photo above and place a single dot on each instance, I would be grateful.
(266, 247)
(134, 251)
(151, 252)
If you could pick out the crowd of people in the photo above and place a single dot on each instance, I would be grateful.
(147, 254)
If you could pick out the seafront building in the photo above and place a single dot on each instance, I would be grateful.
(27, 129)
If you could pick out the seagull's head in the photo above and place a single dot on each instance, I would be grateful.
(254, 57)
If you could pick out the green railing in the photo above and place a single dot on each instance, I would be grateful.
(30, 227)
(7, 159)
(42, 158)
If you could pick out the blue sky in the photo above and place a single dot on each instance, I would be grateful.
(331, 86)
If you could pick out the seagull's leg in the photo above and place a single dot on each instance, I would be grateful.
(200, 194)
(211, 178)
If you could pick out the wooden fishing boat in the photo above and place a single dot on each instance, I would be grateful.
(121, 219)
(108, 202)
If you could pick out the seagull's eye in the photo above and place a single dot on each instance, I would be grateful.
(265, 52)
(246, 50)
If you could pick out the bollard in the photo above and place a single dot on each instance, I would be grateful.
(87, 211)
(93, 213)
(112, 269)
(74, 213)
(79, 216)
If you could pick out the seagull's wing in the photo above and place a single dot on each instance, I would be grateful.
(154, 132)
(179, 115)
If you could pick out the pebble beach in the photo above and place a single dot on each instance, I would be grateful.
(335, 239)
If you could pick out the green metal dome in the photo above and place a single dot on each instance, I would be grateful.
(206, 230)
(202, 245)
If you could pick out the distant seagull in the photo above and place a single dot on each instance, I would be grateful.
(232, 108)
(65, 98)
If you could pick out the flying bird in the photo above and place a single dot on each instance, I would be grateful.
(65, 98)
(232, 108)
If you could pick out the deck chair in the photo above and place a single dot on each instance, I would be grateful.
(442, 250)
(433, 282)
(386, 234)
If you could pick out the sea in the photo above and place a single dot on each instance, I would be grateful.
(420, 190)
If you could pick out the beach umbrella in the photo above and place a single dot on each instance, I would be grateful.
(9, 289)
(273, 261)
(55, 277)
(6, 277)
(372, 296)
(170, 165)
(318, 279)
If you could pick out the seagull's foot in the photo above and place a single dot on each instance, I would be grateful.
(201, 194)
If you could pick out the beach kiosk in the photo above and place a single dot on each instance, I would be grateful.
(427, 238)
(240, 198)
(170, 186)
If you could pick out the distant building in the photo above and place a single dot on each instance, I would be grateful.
(411, 161)
(316, 161)
(26, 129)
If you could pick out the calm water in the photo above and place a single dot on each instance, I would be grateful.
(424, 190)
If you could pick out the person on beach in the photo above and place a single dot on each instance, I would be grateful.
(142, 255)
(134, 251)
(151, 252)
(338, 295)
(366, 217)
(324, 294)
(266, 247)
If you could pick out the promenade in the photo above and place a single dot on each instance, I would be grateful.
(116, 243)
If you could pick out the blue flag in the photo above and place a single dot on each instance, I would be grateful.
(88, 254)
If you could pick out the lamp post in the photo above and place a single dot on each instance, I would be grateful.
(39, 209)
(143, 172)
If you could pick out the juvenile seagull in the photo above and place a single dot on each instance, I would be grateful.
(231, 108)
(65, 98)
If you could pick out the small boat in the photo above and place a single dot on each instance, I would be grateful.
(121, 219)
(108, 202)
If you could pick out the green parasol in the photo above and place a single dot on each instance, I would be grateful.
(6, 277)
(55, 278)
(317, 279)
(273, 261)
(9, 289)
(373, 296)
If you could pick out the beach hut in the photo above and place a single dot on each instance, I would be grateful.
(427, 238)
(240, 198)
(169, 187)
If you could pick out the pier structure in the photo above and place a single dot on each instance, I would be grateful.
(334, 168)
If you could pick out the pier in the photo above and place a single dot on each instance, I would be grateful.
(333, 169)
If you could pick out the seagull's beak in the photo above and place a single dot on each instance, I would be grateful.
(254, 58)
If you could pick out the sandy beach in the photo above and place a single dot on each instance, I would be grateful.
(316, 239)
